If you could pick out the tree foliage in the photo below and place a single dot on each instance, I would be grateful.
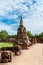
(41, 35)
(36, 36)
(3, 34)
(11, 36)
(29, 34)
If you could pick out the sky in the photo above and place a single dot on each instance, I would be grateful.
(32, 15)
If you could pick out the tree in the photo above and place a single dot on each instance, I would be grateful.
(29, 34)
(3, 34)
(11, 36)
(36, 36)
(41, 35)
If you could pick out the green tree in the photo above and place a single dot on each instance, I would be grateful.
(29, 34)
(11, 36)
(3, 34)
(41, 35)
(36, 35)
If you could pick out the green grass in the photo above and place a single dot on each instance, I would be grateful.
(6, 44)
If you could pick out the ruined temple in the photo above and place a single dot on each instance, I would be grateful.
(22, 38)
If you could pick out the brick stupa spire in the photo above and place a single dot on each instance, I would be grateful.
(22, 38)
(21, 21)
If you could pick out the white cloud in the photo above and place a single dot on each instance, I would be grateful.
(32, 11)
(9, 5)
(34, 24)
(8, 28)
(12, 16)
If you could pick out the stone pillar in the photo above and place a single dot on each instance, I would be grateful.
(33, 40)
(5, 56)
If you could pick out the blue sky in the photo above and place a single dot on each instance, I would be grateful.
(31, 10)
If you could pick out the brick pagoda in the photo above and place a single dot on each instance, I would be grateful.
(22, 38)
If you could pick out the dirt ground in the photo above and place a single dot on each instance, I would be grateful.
(32, 56)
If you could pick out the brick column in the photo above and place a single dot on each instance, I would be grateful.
(33, 40)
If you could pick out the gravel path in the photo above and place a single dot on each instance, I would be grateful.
(32, 56)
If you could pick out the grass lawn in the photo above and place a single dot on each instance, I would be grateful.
(6, 44)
